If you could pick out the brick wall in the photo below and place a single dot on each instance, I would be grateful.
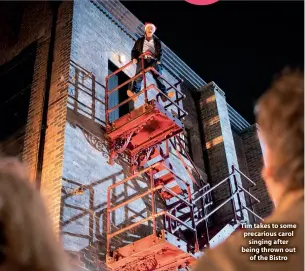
(243, 166)
(191, 123)
(220, 148)
(36, 26)
(254, 159)
(51, 184)
(75, 172)
(95, 41)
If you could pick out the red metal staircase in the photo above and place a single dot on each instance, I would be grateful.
(145, 136)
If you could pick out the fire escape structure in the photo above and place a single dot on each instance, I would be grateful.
(180, 208)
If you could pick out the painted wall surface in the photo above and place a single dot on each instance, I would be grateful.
(95, 41)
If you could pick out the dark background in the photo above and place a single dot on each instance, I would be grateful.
(239, 45)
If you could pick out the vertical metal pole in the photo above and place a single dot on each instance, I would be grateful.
(177, 96)
(108, 223)
(169, 224)
(175, 222)
(164, 223)
(93, 96)
(76, 89)
(205, 200)
(233, 200)
(144, 77)
(106, 107)
(153, 203)
(167, 148)
(193, 218)
(238, 197)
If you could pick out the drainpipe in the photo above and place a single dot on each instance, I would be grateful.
(55, 6)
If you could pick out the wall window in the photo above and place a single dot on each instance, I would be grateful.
(16, 79)
(118, 96)
(10, 20)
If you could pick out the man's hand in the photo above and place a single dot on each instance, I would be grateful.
(158, 62)
(135, 61)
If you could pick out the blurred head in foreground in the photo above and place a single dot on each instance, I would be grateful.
(27, 241)
(280, 116)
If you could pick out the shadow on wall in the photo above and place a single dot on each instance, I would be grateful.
(86, 96)
(84, 202)
(86, 177)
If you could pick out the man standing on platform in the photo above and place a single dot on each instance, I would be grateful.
(153, 48)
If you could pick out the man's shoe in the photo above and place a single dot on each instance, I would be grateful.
(163, 98)
(169, 95)
(130, 94)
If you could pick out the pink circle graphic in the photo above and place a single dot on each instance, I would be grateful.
(201, 2)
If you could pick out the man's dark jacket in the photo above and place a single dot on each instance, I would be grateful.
(137, 49)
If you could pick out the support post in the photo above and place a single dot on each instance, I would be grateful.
(145, 83)
(153, 203)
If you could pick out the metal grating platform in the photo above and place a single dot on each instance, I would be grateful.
(152, 253)
(143, 128)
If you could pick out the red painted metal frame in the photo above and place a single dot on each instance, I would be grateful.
(141, 129)
(146, 88)
(126, 128)
(151, 190)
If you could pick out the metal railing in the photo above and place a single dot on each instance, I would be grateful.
(154, 214)
(77, 84)
(238, 189)
(171, 221)
(179, 95)
(134, 28)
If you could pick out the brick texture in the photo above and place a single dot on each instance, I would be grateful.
(57, 110)
(221, 151)
(243, 166)
(75, 174)
(34, 27)
(95, 41)
(254, 159)
(191, 123)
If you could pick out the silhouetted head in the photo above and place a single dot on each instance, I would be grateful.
(280, 116)
(27, 240)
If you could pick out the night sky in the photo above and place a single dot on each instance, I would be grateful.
(239, 45)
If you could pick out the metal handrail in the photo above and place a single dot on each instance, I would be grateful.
(177, 196)
(179, 221)
(188, 157)
(247, 178)
(172, 86)
(151, 86)
(249, 210)
(136, 197)
(110, 235)
(184, 164)
(247, 192)
(202, 188)
(217, 208)
(212, 188)
(133, 176)
(142, 73)
(153, 215)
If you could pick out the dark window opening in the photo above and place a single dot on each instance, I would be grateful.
(118, 96)
(10, 20)
(16, 78)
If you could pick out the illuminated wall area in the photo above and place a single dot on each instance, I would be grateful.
(75, 46)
